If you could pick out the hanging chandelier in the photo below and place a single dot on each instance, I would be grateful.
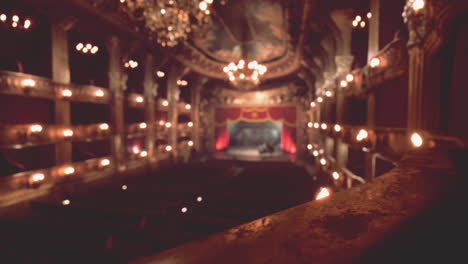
(170, 21)
(245, 74)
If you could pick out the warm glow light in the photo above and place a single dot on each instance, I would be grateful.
(67, 93)
(38, 177)
(3, 17)
(184, 210)
(190, 124)
(313, 104)
(369, 15)
(199, 199)
(69, 170)
(323, 161)
(168, 125)
(124, 187)
(328, 94)
(324, 126)
(160, 74)
(95, 49)
(349, 77)
(168, 148)
(105, 162)
(417, 140)
(163, 11)
(99, 93)
(190, 143)
(143, 154)
(36, 128)
(324, 192)
(79, 46)
(203, 5)
(336, 175)
(15, 18)
(374, 62)
(143, 125)
(319, 99)
(418, 5)
(362, 135)
(321, 151)
(355, 23)
(188, 106)
(362, 24)
(165, 103)
(358, 18)
(315, 153)
(343, 83)
(66, 202)
(136, 149)
(309, 146)
(139, 99)
(310, 124)
(14, 24)
(68, 133)
(316, 125)
(89, 46)
(161, 122)
(337, 128)
(28, 83)
(104, 126)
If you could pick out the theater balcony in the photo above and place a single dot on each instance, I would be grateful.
(233, 131)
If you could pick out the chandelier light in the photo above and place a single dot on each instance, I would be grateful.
(243, 72)
(170, 21)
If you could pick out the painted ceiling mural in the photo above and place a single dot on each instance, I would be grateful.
(246, 29)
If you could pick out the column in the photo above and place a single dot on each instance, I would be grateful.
(61, 74)
(196, 100)
(173, 99)
(374, 25)
(117, 81)
(150, 119)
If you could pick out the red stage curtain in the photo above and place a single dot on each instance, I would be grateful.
(287, 115)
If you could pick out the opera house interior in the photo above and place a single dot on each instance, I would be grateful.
(233, 131)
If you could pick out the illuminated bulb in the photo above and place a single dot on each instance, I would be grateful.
(337, 128)
(38, 177)
(124, 187)
(69, 170)
(242, 76)
(321, 151)
(315, 153)
(232, 78)
(313, 104)
(362, 24)
(324, 192)
(160, 74)
(349, 77)
(226, 69)
(328, 93)
(104, 126)
(143, 125)
(190, 143)
(343, 83)
(165, 103)
(416, 140)
(374, 62)
(89, 46)
(168, 148)
(319, 100)
(14, 24)
(184, 210)
(85, 50)
(369, 15)
(188, 107)
(199, 199)
(28, 83)
(68, 133)
(209, 1)
(336, 175)
(143, 154)
(15, 18)
(190, 124)
(105, 162)
(203, 5)
(161, 122)
(127, 65)
(324, 126)
(122, 1)
(310, 124)
(36, 128)
(358, 18)
(95, 49)
(136, 149)
(3, 17)
(66, 202)
(99, 93)
(316, 125)
(355, 23)
(27, 23)
(309, 146)
(323, 161)
(168, 124)
(163, 11)
(418, 5)
(362, 135)
(67, 93)
(139, 99)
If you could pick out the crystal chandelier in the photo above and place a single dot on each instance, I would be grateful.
(242, 73)
(170, 21)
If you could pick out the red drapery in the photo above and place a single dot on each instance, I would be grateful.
(287, 115)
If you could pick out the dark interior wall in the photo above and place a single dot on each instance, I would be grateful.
(391, 103)
(25, 110)
(87, 113)
(354, 111)
(391, 21)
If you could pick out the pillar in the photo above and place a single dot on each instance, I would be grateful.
(173, 93)
(196, 101)
(61, 74)
(150, 118)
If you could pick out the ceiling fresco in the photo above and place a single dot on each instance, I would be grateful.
(246, 29)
